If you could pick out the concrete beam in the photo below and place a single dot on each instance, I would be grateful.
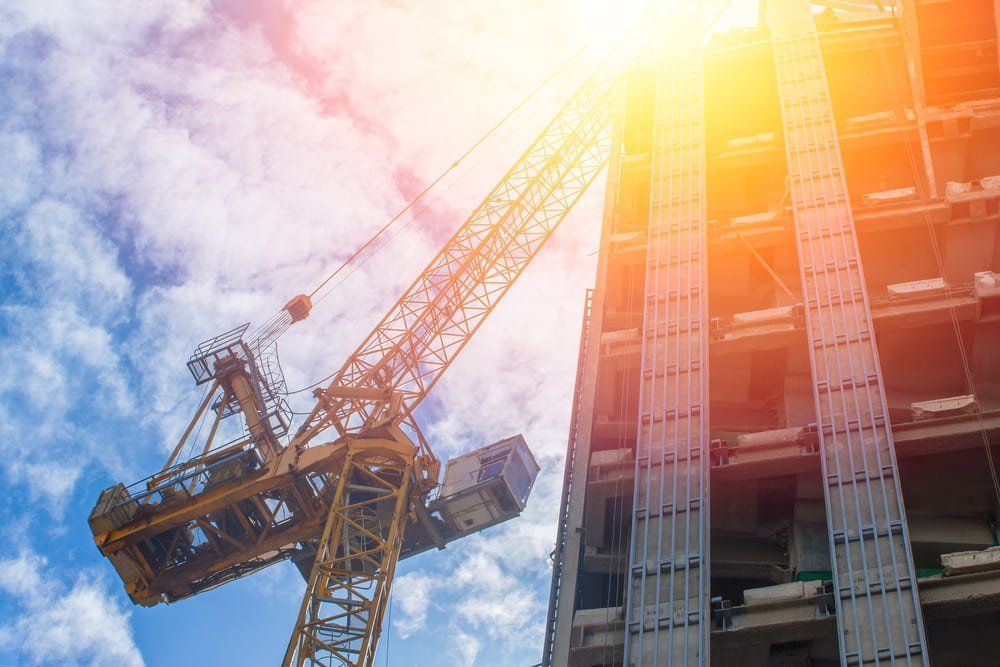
(968, 562)
(748, 558)
(743, 333)
(800, 611)
(888, 314)
(947, 434)
(962, 595)
(930, 436)
(951, 533)
(597, 637)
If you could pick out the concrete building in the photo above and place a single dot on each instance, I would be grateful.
(789, 379)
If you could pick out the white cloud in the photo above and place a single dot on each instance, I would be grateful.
(57, 354)
(411, 598)
(466, 647)
(20, 170)
(493, 600)
(71, 259)
(51, 481)
(504, 616)
(55, 624)
(22, 576)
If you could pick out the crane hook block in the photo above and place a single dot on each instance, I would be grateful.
(298, 307)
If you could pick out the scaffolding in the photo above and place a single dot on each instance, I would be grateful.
(878, 610)
(667, 614)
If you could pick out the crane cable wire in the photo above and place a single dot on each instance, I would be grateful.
(392, 221)
(939, 261)
(454, 165)
(413, 202)
(362, 263)
(401, 228)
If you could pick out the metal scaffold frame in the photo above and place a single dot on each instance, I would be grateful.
(878, 610)
(668, 606)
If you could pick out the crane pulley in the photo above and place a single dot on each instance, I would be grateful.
(351, 491)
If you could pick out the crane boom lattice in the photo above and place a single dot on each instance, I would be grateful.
(440, 312)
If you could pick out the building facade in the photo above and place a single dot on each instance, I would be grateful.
(784, 442)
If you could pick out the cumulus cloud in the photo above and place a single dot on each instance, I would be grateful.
(64, 291)
(53, 623)
(411, 600)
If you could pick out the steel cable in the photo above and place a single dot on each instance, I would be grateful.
(936, 250)
(371, 240)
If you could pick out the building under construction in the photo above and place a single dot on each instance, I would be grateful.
(789, 375)
(780, 445)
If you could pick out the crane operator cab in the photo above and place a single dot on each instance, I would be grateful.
(480, 489)
(487, 485)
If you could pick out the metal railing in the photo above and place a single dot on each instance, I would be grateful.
(559, 553)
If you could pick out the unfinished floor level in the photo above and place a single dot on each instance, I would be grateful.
(786, 427)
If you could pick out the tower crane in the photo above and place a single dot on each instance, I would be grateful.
(356, 487)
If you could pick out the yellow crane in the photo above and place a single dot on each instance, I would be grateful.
(356, 487)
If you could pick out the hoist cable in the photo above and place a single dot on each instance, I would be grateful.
(939, 261)
(381, 231)
(489, 133)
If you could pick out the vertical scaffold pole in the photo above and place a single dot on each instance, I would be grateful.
(878, 609)
(559, 553)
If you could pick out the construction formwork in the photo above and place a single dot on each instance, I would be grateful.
(788, 400)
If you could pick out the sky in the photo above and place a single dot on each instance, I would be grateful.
(170, 169)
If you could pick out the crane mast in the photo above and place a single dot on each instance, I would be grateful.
(345, 507)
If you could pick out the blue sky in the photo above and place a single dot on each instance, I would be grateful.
(171, 169)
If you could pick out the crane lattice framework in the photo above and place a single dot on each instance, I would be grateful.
(353, 487)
